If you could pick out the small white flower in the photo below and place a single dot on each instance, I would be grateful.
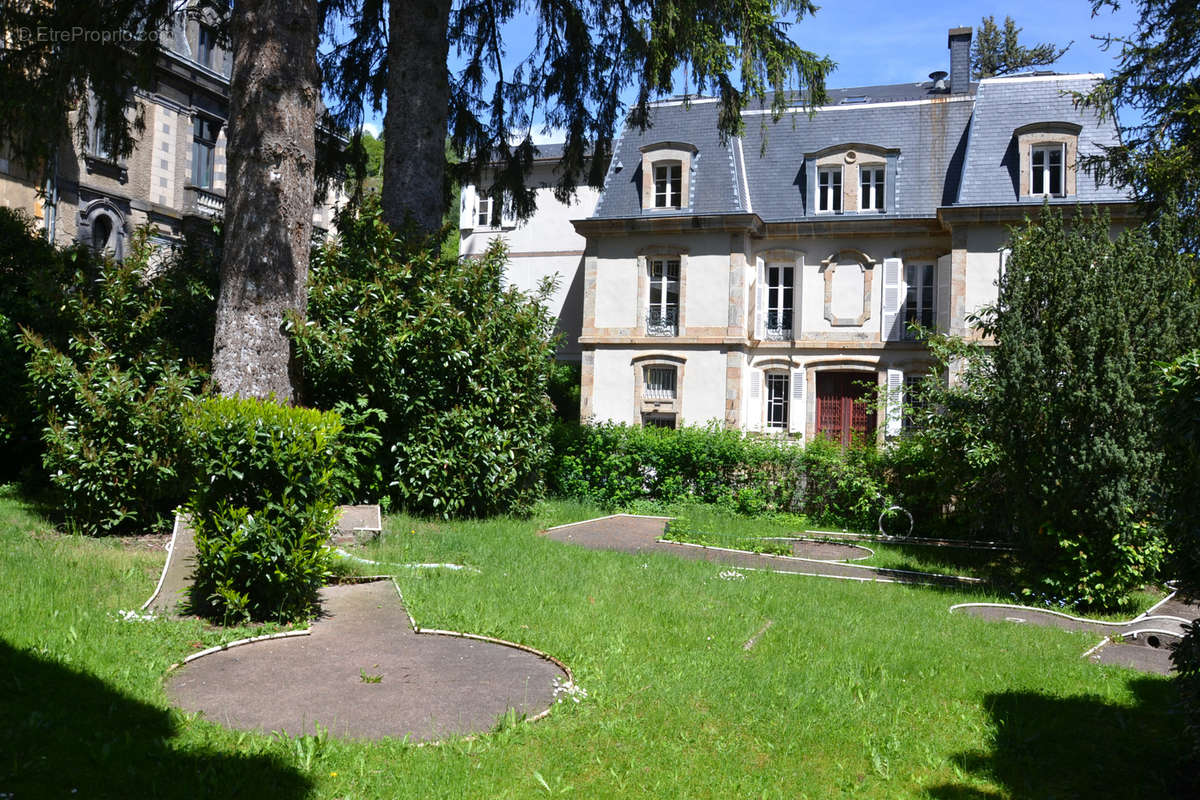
(731, 575)
(564, 689)
(129, 615)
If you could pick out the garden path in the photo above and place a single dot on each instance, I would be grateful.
(364, 672)
(629, 533)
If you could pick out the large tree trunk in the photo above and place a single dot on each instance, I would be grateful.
(274, 91)
(418, 98)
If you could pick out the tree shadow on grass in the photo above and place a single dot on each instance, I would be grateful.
(1078, 747)
(65, 733)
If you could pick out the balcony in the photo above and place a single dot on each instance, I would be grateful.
(198, 202)
(778, 326)
(662, 322)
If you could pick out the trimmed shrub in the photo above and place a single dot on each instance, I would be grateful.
(618, 466)
(110, 400)
(262, 507)
(458, 365)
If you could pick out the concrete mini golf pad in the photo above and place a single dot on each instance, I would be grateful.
(431, 685)
(637, 535)
(1143, 643)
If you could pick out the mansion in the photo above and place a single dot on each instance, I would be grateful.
(768, 282)
(173, 181)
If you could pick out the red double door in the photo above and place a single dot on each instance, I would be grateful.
(845, 405)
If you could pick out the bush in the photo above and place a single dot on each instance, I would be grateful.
(618, 466)
(458, 366)
(262, 507)
(35, 278)
(110, 400)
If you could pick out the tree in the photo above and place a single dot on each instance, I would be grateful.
(585, 53)
(458, 365)
(1157, 82)
(1070, 397)
(40, 58)
(274, 94)
(997, 52)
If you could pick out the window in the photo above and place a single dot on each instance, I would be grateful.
(662, 318)
(870, 197)
(918, 298)
(97, 145)
(1047, 170)
(206, 44)
(777, 401)
(829, 189)
(658, 420)
(204, 147)
(660, 383)
(780, 293)
(483, 215)
(914, 399)
(668, 186)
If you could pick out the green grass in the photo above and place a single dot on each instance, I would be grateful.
(855, 690)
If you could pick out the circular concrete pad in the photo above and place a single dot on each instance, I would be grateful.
(430, 686)
(829, 551)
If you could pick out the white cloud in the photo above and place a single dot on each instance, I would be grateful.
(372, 128)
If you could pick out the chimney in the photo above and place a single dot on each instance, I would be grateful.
(959, 42)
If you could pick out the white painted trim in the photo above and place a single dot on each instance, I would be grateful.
(848, 565)
(741, 157)
(856, 106)
(1038, 78)
(599, 519)
(1067, 616)
(361, 560)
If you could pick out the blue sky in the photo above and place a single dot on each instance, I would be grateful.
(890, 41)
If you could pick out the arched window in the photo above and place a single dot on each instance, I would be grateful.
(102, 233)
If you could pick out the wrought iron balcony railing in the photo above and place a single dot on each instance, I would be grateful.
(779, 325)
(662, 322)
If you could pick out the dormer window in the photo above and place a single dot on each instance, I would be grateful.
(829, 190)
(1047, 163)
(205, 45)
(871, 183)
(668, 185)
(1048, 151)
(666, 175)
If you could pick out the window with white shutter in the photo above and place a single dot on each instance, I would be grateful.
(893, 322)
(799, 410)
(895, 401)
(760, 302)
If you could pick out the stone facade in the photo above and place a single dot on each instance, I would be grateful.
(91, 198)
(790, 309)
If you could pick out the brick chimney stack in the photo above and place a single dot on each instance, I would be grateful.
(959, 42)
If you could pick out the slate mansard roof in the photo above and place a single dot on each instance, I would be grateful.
(946, 149)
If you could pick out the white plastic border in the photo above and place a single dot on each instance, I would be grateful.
(417, 629)
(167, 564)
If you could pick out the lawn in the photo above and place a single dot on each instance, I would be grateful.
(854, 690)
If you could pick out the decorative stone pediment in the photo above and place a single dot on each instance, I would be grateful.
(848, 277)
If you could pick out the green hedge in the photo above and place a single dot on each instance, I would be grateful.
(616, 466)
(262, 508)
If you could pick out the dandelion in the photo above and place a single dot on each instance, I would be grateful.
(333, 774)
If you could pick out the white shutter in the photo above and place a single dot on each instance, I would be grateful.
(507, 220)
(942, 293)
(467, 211)
(760, 303)
(895, 401)
(754, 407)
(893, 296)
(1005, 252)
(797, 411)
